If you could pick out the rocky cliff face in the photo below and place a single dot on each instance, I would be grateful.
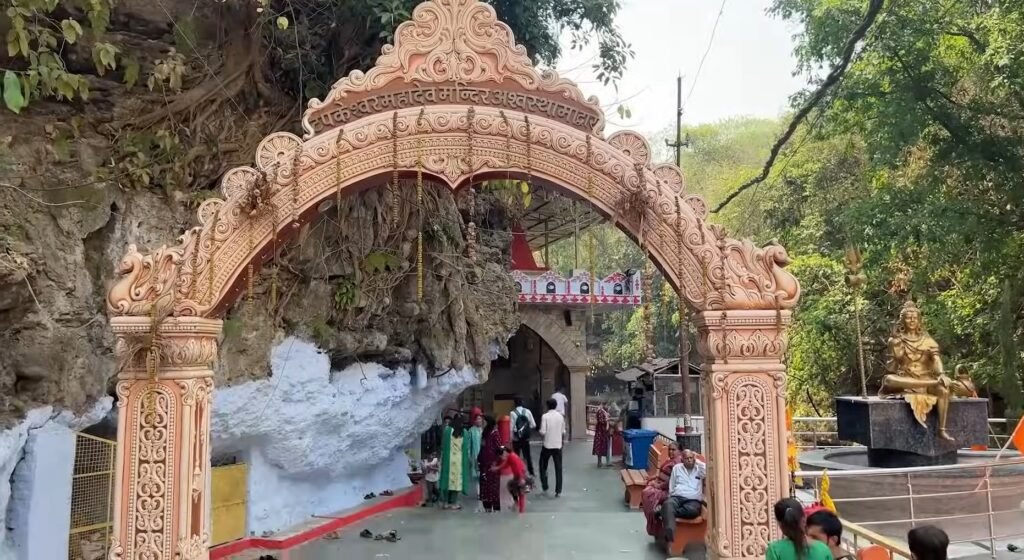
(81, 180)
(349, 284)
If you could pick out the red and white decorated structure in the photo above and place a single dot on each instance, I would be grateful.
(552, 288)
(541, 285)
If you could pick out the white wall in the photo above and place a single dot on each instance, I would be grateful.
(666, 425)
(318, 440)
(41, 489)
(36, 460)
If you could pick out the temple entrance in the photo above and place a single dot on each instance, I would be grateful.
(454, 101)
(532, 371)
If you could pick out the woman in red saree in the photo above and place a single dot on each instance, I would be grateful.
(601, 437)
(657, 490)
(490, 481)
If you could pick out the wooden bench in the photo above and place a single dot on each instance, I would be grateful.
(687, 531)
(635, 480)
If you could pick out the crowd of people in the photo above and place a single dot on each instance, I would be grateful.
(474, 460)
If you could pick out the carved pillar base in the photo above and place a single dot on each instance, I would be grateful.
(163, 444)
(578, 402)
(745, 415)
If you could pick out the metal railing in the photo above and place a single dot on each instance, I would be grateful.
(810, 431)
(958, 498)
(856, 537)
(92, 487)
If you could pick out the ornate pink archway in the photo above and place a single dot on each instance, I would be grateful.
(456, 97)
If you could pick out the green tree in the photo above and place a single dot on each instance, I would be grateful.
(915, 157)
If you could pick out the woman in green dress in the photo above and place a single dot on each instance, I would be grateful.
(795, 546)
(455, 468)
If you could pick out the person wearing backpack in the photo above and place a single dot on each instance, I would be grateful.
(523, 425)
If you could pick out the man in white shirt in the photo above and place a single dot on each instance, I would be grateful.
(686, 493)
(523, 425)
(552, 427)
(561, 400)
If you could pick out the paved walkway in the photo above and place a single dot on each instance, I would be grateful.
(588, 522)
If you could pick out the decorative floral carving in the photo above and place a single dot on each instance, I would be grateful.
(116, 551)
(238, 180)
(730, 344)
(749, 418)
(277, 150)
(183, 343)
(633, 145)
(192, 548)
(698, 205)
(672, 177)
(149, 509)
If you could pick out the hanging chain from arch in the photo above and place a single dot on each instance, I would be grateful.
(393, 187)
(419, 207)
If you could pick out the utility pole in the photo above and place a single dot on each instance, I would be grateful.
(679, 144)
(684, 342)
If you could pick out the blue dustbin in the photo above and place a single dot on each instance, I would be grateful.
(638, 442)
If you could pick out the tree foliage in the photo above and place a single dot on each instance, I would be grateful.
(916, 157)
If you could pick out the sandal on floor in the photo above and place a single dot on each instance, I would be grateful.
(392, 536)
(387, 493)
(369, 496)
(366, 534)
(378, 537)
(332, 536)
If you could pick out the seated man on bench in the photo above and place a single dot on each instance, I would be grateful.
(686, 493)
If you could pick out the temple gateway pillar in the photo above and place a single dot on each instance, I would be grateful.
(745, 414)
(578, 401)
(162, 476)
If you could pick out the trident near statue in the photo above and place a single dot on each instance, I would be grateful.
(914, 371)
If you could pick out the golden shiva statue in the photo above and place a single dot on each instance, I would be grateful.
(914, 370)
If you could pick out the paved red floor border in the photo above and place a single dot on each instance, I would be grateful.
(410, 497)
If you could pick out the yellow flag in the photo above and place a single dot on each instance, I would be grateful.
(826, 500)
(791, 449)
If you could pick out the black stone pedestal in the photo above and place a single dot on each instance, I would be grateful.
(894, 438)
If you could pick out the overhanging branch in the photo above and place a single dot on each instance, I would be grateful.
(874, 7)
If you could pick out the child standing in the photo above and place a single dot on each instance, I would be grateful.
(431, 473)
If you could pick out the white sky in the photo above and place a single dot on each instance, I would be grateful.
(747, 72)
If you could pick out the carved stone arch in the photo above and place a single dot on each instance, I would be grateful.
(294, 176)
(571, 352)
(456, 95)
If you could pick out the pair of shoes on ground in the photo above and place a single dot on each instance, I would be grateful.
(371, 495)
(390, 536)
